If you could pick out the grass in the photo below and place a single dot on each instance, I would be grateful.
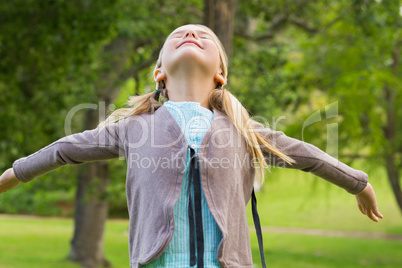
(44, 243)
(301, 251)
(289, 198)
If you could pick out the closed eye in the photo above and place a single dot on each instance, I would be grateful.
(202, 35)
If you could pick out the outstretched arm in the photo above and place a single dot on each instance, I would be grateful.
(88, 146)
(309, 158)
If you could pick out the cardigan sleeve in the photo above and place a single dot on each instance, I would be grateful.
(309, 158)
(88, 146)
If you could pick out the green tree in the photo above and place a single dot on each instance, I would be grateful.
(304, 55)
(359, 65)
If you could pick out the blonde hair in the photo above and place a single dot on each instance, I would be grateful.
(219, 99)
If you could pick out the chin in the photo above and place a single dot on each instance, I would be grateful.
(188, 60)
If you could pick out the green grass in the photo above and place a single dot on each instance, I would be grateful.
(289, 199)
(34, 242)
(44, 242)
(300, 251)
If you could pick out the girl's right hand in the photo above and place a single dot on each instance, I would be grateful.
(8, 180)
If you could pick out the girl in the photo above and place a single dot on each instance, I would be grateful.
(190, 171)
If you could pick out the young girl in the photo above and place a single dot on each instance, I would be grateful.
(191, 160)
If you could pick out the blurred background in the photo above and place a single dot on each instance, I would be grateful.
(326, 72)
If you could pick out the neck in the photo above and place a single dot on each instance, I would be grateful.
(194, 89)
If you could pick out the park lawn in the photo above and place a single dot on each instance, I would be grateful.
(44, 242)
(302, 251)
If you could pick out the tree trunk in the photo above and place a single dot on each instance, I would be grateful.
(393, 178)
(91, 204)
(218, 15)
(91, 210)
(390, 134)
(91, 207)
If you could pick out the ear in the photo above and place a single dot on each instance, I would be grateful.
(219, 78)
(159, 75)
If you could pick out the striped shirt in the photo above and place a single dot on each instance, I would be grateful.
(194, 121)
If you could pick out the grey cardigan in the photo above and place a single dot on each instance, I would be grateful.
(155, 150)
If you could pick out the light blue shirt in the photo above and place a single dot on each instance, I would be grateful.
(194, 121)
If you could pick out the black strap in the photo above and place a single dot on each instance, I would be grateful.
(257, 225)
(194, 172)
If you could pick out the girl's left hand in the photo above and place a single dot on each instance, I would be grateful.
(367, 203)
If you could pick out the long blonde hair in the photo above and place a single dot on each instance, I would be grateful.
(219, 99)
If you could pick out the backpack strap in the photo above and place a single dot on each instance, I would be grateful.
(198, 233)
(257, 225)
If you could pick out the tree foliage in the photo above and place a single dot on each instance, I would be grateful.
(290, 59)
(337, 64)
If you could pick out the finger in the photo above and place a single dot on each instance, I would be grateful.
(371, 215)
(361, 209)
(378, 214)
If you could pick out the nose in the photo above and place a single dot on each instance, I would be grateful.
(191, 33)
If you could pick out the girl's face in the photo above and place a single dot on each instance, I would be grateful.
(190, 46)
